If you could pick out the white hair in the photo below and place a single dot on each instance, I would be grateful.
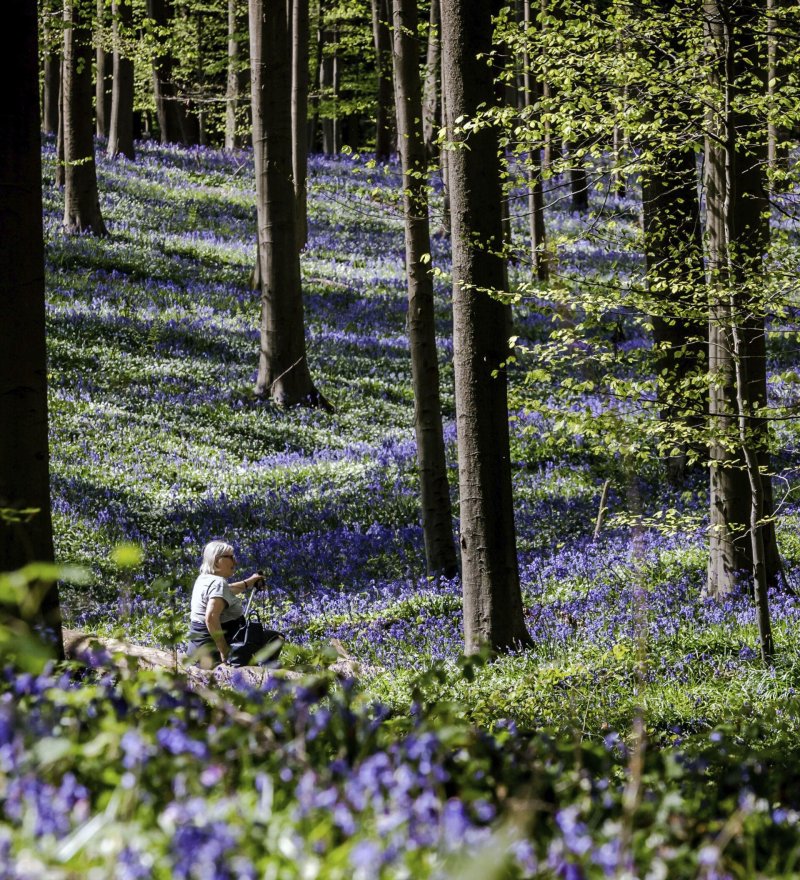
(211, 553)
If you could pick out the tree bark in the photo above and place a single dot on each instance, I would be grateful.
(103, 72)
(52, 68)
(283, 373)
(738, 235)
(232, 95)
(382, 40)
(578, 179)
(437, 516)
(493, 613)
(431, 104)
(536, 227)
(120, 134)
(168, 110)
(300, 40)
(24, 456)
(81, 198)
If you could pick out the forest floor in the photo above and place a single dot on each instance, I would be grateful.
(640, 734)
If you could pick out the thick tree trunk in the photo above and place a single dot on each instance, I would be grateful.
(168, 110)
(24, 457)
(431, 104)
(120, 135)
(232, 95)
(492, 599)
(738, 235)
(81, 199)
(437, 517)
(300, 38)
(382, 40)
(675, 276)
(104, 72)
(283, 373)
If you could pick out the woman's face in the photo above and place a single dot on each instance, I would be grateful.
(226, 565)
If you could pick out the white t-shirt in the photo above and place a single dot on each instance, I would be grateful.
(212, 586)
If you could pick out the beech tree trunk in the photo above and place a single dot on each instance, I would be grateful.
(51, 28)
(232, 95)
(738, 235)
(81, 198)
(493, 613)
(437, 516)
(327, 86)
(283, 373)
(536, 227)
(168, 110)
(24, 458)
(104, 72)
(675, 276)
(431, 104)
(578, 179)
(300, 53)
(382, 40)
(120, 134)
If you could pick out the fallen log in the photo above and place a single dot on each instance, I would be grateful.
(84, 646)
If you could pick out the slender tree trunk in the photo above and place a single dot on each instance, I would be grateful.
(437, 517)
(431, 103)
(103, 72)
(492, 599)
(326, 87)
(536, 227)
(168, 111)
(232, 96)
(283, 373)
(578, 179)
(81, 198)
(120, 135)
(444, 157)
(300, 39)
(60, 171)
(314, 139)
(52, 67)
(382, 40)
(738, 235)
(24, 457)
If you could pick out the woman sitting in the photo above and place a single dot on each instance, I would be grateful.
(217, 612)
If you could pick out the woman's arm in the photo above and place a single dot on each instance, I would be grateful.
(240, 586)
(215, 607)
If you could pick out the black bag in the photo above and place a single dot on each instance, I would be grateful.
(252, 638)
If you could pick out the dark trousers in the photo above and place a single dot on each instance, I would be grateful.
(202, 645)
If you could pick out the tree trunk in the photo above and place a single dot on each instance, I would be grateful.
(327, 89)
(53, 42)
(232, 95)
(81, 199)
(168, 111)
(578, 179)
(104, 72)
(24, 457)
(493, 613)
(431, 105)
(738, 236)
(300, 38)
(120, 135)
(60, 172)
(536, 227)
(674, 264)
(382, 40)
(437, 516)
(283, 373)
